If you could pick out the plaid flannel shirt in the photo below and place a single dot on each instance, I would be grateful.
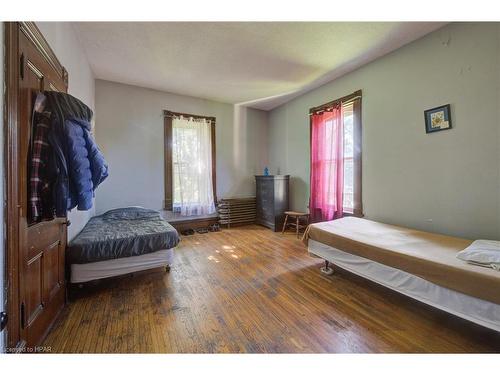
(41, 206)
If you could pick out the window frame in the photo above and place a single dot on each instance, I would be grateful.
(354, 183)
(168, 160)
(355, 99)
(349, 211)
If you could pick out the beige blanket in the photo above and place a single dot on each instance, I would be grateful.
(427, 255)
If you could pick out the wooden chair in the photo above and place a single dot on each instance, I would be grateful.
(296, 223)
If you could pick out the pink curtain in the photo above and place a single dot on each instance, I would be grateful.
(327, 165)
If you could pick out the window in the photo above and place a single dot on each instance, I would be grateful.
(336, 159)
(189, 164)
(348, 118)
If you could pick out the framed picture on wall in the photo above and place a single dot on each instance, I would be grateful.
(437, 119)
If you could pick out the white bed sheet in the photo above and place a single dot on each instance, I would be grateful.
(479, 311)
(81, 273)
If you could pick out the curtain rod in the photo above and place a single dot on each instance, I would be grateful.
(208, 119)
(326, 109)
(170, 114)
(328, 106)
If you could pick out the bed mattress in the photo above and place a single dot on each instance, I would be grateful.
(479, 311)
(429, 256)
(121, 233)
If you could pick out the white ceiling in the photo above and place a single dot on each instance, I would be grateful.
(259, 64)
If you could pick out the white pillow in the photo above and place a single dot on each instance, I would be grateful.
(484, 253)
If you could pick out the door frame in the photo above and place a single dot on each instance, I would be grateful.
(15, 342)
(11, 209)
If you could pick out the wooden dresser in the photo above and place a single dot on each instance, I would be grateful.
(272, 200)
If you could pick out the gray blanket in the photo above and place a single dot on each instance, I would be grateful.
(120, 233)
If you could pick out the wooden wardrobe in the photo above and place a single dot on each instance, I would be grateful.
(35, 252)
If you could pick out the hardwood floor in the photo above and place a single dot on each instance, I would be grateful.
(248, 289)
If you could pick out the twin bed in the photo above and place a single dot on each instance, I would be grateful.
(418, 264)
(121, 241)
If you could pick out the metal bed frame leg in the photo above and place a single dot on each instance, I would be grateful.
(326, 269)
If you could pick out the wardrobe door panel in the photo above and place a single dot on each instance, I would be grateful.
(51, 282)
(42, 235)
(33, 305)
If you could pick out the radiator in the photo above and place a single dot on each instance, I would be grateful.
(234, 211)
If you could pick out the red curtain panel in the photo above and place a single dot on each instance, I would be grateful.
(327, 165)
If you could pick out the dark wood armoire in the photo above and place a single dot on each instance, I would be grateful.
(272, 200)
(35, 251)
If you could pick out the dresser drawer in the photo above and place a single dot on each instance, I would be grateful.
(266, 191)
(266, 213)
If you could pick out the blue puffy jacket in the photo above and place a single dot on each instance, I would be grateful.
(79, 163)
(86, 165)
